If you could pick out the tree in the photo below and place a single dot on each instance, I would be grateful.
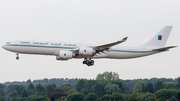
(178, 83)
(158, 85)
(172, 99)
(105, 97)
(39, 89)
(111, 88)
(1, 92)
(13, 94)
(80, 85)
(2, 86)
(138, 86)
(56, 95)
(108, 77)
(149, 97)
(31, 87)
(178, 95)
(118, 97)
(170, 85)
(134, 97)
(28, 81)
(66, 89)
(92, 97)
(49, 89)
(25, 93)
(75, 97)
(166, 93)
(150, 88)
(18, 88)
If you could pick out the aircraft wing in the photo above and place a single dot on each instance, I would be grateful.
(107, 46)
(164, 48)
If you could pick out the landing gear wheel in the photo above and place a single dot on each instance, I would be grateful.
(88, 62)
(17, 58)
(84, 62)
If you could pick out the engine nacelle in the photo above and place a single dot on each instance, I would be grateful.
(86, 51)
(65, 55)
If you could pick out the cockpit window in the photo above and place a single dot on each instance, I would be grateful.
(8, 42)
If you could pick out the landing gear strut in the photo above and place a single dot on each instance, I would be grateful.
(88, 62)
(17, 58)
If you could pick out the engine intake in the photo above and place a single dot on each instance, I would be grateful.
(65, 55)
(86, 51)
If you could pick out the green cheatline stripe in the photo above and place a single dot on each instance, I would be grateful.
(132, 51)
(40, 46)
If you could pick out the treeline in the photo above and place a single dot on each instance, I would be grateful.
(106, 87)
(60, 81)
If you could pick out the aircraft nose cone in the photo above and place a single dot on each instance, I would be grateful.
(3, 46)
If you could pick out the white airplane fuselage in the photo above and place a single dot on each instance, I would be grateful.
(53, 48)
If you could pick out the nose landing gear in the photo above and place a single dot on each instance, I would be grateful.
(88, 62)
(17, 58)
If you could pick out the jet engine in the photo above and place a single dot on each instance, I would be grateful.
(86, 51)
(65, 55)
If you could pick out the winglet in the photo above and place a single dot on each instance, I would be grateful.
(124, 39)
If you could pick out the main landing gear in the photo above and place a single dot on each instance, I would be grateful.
(88, 62)
(17, 58)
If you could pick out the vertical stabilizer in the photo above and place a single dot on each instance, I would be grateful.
(160, 39)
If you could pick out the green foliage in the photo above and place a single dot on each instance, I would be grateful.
(18, 88)
(75, 97)
(24, 93)
(134, 97)
(31, 87)
(28, 81)
(2, 86)
(72, 91)
(108, 77)
(159, 85)
(170, 85)
(63, 98)
(56, 95)
(106, 97)
(138, 86)
(148, 97)
(166, 93)
(13, 94)
(50, 89)
(91, 97)
(80, 85)
(150, 88)
(162, 99)
(111, 88)
(118, 97)
(32, 98)
(66, 88)
(172, 99)
(39, 89)
(1, 92)
(178, 95)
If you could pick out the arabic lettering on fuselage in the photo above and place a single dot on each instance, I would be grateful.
(58, 44)
(69, 44)
(46, 43)
(40, 43)
(25, 42)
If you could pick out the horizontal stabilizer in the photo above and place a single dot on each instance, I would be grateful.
(164, 48)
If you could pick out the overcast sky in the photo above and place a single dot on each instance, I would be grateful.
(92, 22)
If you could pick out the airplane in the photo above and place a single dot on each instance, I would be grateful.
(65, 51)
